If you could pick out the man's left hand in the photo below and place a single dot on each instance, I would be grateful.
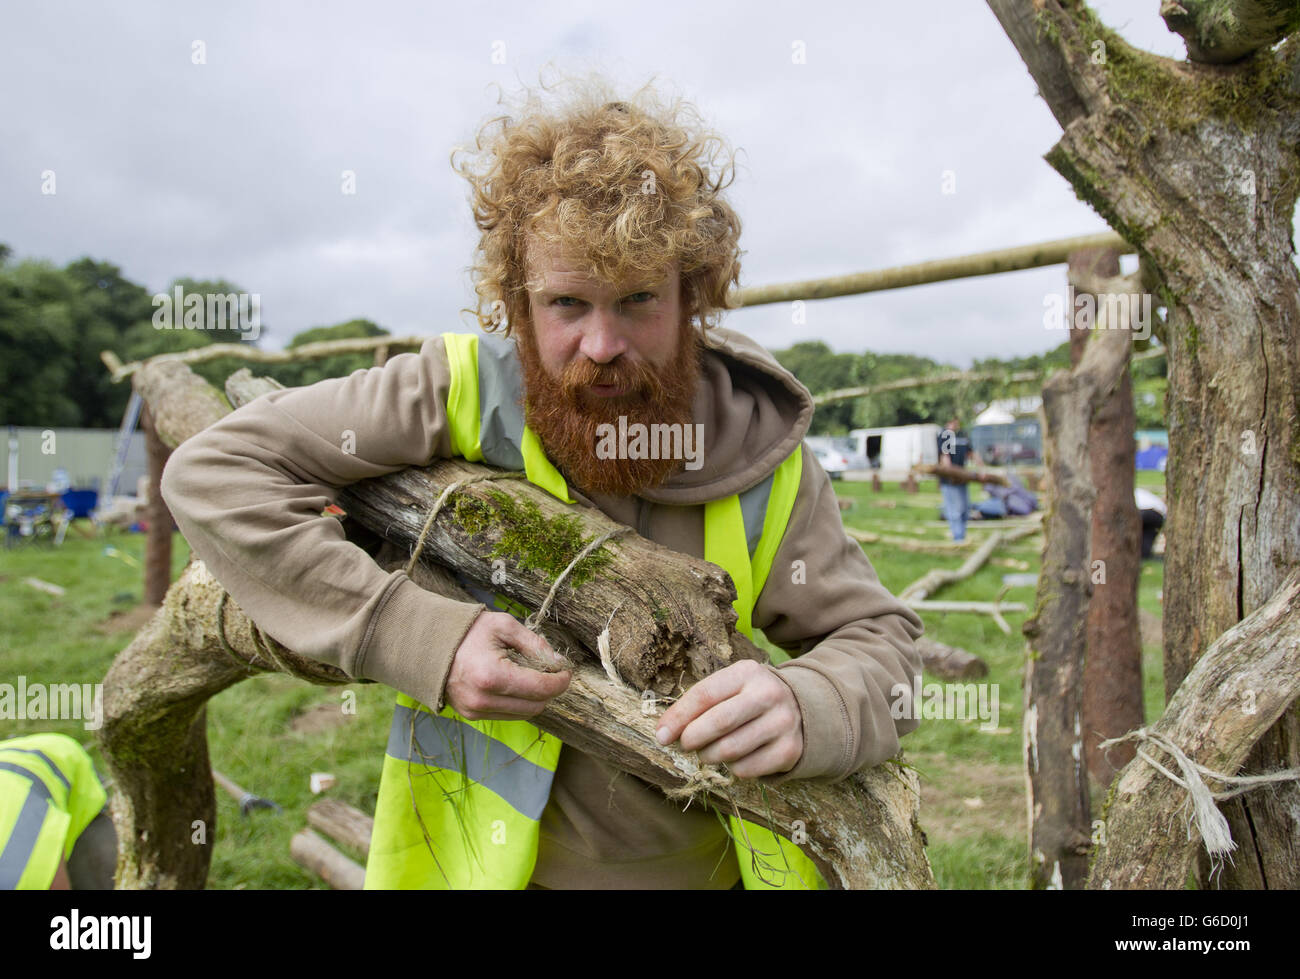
(742, 715)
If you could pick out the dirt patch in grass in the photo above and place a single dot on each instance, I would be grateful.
(321, 717)
(126, 620)
(968, 798)
(1151, 627)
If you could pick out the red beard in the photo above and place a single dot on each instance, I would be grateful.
(565, 415)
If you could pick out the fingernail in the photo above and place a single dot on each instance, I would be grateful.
(663, 736)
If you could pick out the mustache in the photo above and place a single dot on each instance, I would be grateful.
(632, 376)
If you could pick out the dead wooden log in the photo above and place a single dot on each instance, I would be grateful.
(1232, 696)
(315, 854)
(937, 578)
(960, 474)
(908, 544)
(343, 823)
(949, 662)
(1060, 825)
(993, 609)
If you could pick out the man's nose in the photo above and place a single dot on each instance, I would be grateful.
(602, 337)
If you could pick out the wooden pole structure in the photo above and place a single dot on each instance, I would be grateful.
(941, 270)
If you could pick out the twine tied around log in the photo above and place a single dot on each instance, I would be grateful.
(1210, 822)
(701, 780)
(442, 498)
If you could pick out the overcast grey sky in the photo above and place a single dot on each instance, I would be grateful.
(232, 168)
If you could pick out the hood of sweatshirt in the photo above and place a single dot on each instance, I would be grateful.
(754, 413)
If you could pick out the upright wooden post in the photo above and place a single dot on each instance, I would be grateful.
(1112, 671)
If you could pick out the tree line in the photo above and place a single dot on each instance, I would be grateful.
(55, 321)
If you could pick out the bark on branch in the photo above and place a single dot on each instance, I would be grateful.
(1222, 31)
(1232, 696)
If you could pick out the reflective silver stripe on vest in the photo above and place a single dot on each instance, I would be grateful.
(27, 830)
(45, 758)
(753, 507)
(501, 416)
(486, 761)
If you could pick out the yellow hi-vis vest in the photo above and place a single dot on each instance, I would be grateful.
(49, 794)
(460, 801)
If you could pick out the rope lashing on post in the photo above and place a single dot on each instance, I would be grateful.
(1210, 822)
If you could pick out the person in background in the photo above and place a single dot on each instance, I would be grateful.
(954, 449)
(55, 831)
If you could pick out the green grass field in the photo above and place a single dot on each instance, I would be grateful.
(271, 732)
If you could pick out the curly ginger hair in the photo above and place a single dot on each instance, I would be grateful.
(624, 186)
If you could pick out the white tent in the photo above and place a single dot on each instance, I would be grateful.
(993, 415)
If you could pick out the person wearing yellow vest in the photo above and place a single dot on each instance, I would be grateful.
(54, 829)
(599, 298)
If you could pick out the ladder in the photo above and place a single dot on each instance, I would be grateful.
(130, 419)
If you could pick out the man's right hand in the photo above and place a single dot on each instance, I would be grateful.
(484, 685)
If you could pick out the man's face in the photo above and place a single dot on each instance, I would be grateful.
(593, 351)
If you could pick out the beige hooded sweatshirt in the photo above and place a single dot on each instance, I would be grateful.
(248, 493)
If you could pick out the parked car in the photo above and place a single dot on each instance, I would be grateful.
(832, 460)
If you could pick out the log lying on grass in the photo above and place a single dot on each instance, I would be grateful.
(937, 578)
(327, 863)
(950, 662)
(342, 822)
(862, 832)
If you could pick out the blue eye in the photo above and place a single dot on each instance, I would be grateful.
(648, 296)
(563, 301)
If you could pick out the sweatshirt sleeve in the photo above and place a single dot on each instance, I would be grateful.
(248, 492)
(854, 642)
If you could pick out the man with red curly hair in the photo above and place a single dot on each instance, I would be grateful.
(606, 254)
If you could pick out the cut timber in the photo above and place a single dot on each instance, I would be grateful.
(344, 823)
(1245, 681)
(949, 662)
(959, 474)
(316, 855)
